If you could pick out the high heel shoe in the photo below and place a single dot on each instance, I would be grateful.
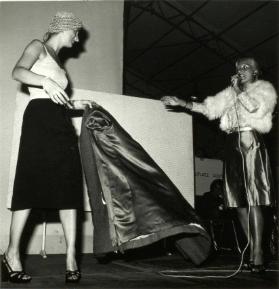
(258, 269)
(247, 265)
(8, 274)
(72, 276)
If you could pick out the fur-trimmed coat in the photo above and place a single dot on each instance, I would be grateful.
(251, 108)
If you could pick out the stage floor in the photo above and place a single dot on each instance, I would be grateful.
(145, 272)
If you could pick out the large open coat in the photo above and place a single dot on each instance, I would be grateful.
(133, 201)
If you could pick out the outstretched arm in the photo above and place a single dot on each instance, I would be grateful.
(212, 107)
(173, 101)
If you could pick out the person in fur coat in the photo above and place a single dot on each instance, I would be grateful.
(245, 111)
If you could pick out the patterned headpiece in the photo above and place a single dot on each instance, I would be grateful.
(64, 21)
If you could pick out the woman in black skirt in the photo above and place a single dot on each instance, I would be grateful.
(48, 172)
(245, 111)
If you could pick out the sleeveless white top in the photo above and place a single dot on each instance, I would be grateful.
(47, 66)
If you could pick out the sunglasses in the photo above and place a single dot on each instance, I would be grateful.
(243, 67)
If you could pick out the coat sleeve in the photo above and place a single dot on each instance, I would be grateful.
(260, 100)
(214, 107)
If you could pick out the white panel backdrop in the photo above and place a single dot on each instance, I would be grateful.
(166, 136)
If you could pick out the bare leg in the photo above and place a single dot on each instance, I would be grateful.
(18, 222)
(243, 218)
(69, 223)
(257, 224)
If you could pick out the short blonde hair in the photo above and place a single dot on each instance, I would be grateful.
(248, 60)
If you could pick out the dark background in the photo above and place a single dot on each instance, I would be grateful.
(187, 48)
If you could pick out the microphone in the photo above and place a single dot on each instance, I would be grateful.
(237, 76)
(194, 98)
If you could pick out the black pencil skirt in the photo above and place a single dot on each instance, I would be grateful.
(247, 172)
(48, 172)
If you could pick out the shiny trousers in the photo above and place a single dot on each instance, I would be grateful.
(247, 172)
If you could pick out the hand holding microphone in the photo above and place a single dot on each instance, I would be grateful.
(235, 83)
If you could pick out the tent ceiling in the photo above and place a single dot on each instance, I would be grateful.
(189, 47)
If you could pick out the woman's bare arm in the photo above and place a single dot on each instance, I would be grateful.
(22, 73)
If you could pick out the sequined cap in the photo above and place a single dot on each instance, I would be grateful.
(64, 21)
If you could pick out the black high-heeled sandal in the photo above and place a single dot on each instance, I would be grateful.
(258, 269)
(72, 276)
(8, 274)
